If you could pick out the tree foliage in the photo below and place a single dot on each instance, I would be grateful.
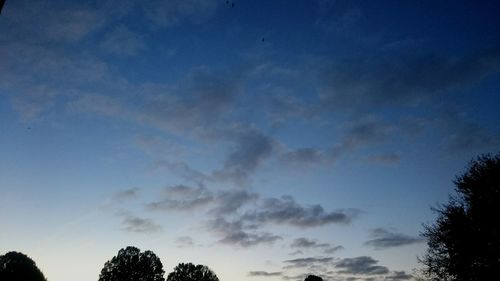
(313, 278)
(15, 266)
(191, 272)
(464, 242)
(130, 264)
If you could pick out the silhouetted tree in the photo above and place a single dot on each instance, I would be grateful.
(15, 266)
(2, 2)
(191, 272)
(464, 242)
(133, 265)
(313, 278)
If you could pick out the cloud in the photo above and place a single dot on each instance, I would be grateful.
(286, 210)
(307, 262)
(388, 158)
(361, 133)
(228, 202)
(333, 249)
(47, 21)
(398, 275)
(73, 24)
(199, 103)
(403, 80)
(303, 155)
(383, 239)
(251, 147)
(184, 241)
(306, 243)
(162, 148)
(37, 101)
(298, 252)
(299, 277)
(187, 198)
(264, 274)
(311, 244)
(182, 198)
(360, 265)
(132, 223)
(237, 234)
(246, 239)
(462, 133)
(127, 194)
(122, 42)
(184, 171)
(167, 13)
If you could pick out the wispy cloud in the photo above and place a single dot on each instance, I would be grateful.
(184, 241)
(403, 80)
(388, 158)
(228, 202)
(264, 273)
(462, 133)
(126, 194)
(122, 42)
(360, 265)
(133, 223)
(361, 133)
(398, 275)
(307, 262)
(304, 155)
(237, 234)
(166, 14)
(383, 239)
(287, 211)
(251, 147)
(305, 243)
(182, 198)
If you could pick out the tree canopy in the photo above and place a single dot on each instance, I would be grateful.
(313, 278)
(15, 266)
(191, 272)
(130, 264)
(464, 242)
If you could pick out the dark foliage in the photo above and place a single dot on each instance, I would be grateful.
(191, 272)
(464, 242)
(133, 265)
(313, 278)
(15, 266)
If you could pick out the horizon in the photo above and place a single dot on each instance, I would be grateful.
(267, 140)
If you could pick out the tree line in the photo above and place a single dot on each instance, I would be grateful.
(130, 264)
(463, 243)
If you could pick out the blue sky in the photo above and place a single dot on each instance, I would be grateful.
(268, 140)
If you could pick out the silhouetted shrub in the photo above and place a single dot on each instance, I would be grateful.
(191, 272)
(15, 266)
(133, 265)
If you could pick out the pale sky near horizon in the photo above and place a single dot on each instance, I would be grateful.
(267, 140)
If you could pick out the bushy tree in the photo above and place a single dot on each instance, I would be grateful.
(15, 266)
(464, 242)
(191, 272)
(313, 278)
(130, 264)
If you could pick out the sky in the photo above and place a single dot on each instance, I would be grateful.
(267, 140)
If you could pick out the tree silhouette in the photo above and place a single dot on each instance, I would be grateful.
(191, 272)
(130, 264)
(15, 266)
(2, 2)
(464, 242)
(313, 278)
